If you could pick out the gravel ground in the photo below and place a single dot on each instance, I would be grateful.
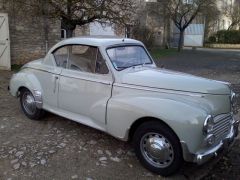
(56, 148)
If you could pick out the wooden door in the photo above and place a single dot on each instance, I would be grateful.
(5, 60)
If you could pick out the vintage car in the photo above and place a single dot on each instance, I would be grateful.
(113, 85)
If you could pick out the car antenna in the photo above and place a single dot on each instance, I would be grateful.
(123, 40)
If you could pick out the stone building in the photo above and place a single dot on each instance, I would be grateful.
(165, 32)
(153, 16)
(30, 35)
(224, 21)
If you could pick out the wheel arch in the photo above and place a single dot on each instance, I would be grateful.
(36, 93)
(27, 80)
(142, 120)
(20, 89)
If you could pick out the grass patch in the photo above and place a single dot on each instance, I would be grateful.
(16, 67)
(158, 53)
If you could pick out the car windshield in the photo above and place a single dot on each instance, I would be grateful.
(128, 56)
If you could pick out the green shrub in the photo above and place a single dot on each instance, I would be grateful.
(226, 37)
(212, 39)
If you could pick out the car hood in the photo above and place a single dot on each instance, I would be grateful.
(171, 80)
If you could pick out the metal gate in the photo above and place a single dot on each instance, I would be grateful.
(194, 35)
(5, 61)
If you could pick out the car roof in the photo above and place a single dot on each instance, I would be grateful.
(97, 41)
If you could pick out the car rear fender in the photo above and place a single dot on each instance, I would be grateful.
(26, 79)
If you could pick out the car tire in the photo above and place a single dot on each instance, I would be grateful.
(158, 148)
(28, 105)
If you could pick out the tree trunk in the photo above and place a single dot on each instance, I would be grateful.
(180, 42)
(69, 26)
(231, 26)
(69, 33)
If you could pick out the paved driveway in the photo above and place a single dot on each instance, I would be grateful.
(215, 64)
(56, 148)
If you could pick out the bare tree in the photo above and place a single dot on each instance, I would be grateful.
(183, 12)
(232, 11)
(81, 12)
(212, 14)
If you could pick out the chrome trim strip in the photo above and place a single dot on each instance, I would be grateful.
(172, 89)
(87, 79)
(90, 80)
(43, 70)
(166, 91)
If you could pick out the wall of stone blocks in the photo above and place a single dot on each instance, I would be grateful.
(27, 33)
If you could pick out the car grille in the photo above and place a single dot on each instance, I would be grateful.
(222, 126)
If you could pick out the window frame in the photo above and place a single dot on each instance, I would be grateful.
(67, 67)
(64, 34)
(55, 57)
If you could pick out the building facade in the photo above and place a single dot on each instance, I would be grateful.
(30, 36)
(224, 20)
(197, 32)
(166, 33)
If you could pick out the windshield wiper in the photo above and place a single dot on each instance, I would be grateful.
(126, 67)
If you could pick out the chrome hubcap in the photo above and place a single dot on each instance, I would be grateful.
(29, 104)
(157, 150)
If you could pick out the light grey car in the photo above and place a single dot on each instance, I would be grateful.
(113, 85)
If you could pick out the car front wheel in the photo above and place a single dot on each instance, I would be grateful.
(28, 105)
(158, 148)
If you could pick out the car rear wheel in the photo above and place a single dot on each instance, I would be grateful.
(158, 148)
(28, 105)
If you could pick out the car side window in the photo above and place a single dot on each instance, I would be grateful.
(86, 59)
(61, 56)
(101, 67)
(82, 58)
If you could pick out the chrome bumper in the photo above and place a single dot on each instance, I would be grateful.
(223, 146)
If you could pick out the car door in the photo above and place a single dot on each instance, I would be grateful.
(49, 77)
(85, 85)
(48, 80)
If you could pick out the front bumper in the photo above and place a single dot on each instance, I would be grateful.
(224, 145)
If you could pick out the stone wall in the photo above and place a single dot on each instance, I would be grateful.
(223, 46)
(28, 34)
(82, 31)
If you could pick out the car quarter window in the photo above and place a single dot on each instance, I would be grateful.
(61, 56)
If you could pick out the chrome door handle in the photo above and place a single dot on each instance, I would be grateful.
(55, 84)
(105, 83)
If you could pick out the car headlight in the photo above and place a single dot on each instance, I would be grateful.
(208, 125)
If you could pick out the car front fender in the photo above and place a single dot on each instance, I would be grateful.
(184, 119)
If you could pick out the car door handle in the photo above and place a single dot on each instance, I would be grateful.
(55, 84)
(105, 83)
